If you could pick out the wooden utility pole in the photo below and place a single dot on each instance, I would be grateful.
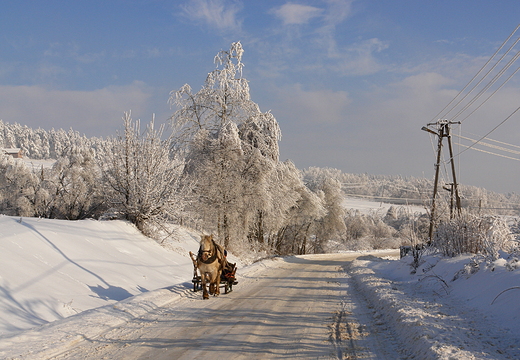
(450, 189)
(443, 131)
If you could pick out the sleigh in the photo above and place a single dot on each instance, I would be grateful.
(227, 277)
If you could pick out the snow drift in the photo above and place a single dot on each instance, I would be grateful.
(51, 269)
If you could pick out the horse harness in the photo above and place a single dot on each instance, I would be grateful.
(210, 259)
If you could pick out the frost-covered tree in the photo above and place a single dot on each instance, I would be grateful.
(331, 225)
(2, 136)
(42, 144)
(271, 185)
(224, 98)
(357, 225)
(23, 189)
(278, 195)
(9, 137)
(76, 185)
(214, 164)
(68, 190)
(141, 175)
(232, 152)
(298, 232)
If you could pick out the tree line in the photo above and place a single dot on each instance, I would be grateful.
(214, 166)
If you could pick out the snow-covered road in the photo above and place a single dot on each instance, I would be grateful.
(300, 307)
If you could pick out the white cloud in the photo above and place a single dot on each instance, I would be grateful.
(154, 52)
(355, 59)
(95, 113)
(359, 59)
(219, 14)
(338, 11)
(296, 14)
(48, 71)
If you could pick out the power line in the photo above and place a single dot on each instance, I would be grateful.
(487, 152)
(492, 208)
(493, 80)
(443, 123)
(483, 137)
(490, 145)
(491, 201)
(384, 197)
(500, 142)
(474, 77)
(489, 84)
(494, 92)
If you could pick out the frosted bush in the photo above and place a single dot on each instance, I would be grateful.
(386, 243)
(364, 243)
(24, 206)
(469, 234)
(512, 263)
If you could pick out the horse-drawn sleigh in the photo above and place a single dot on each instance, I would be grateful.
(210, 266)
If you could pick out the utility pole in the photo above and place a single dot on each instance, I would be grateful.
(450, 189)
(443, 131)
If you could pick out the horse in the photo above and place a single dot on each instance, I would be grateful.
(210, 262)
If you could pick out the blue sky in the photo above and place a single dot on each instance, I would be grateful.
(351, 82)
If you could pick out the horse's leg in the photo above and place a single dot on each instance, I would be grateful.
(211, 284)
(217, 283)
(204, 288)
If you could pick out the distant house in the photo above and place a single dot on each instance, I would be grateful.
(14, 152)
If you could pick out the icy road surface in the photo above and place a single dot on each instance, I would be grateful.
(303, 307)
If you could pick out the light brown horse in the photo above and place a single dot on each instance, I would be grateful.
(210, 261)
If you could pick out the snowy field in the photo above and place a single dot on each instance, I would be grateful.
(64, 281)
(370, 207)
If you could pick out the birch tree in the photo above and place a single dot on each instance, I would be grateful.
(142, 176)
(232, 148)
(223, 98)
(214, 164)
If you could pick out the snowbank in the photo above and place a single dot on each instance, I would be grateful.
(54, 338)
(442, 312)
(51, 269)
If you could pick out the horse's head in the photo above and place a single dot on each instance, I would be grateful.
(206, 249)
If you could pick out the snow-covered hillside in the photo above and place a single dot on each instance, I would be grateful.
(51, 269)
